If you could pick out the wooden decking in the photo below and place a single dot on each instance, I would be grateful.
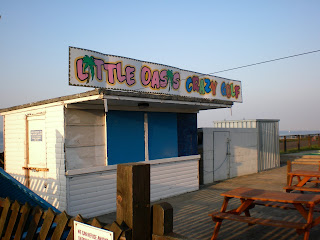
(191, 210)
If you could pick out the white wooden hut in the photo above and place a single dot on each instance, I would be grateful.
(67, 149)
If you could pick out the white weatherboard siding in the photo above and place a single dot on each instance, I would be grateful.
(173, 178)
(15, 145)
(92, 192)
(52, 184)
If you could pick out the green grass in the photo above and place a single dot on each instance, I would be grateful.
(295, 150)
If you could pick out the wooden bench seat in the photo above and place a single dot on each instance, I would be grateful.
(302, 189)
(217, 216)
(305, 205)
(308, 173)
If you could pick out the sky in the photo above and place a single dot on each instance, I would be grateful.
(201, 36)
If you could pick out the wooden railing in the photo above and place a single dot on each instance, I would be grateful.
(19, 221)
(136, 218)
(299, 141)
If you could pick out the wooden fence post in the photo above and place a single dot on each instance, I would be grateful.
(298, 142)
(309, 140)
(289, 169)
(162, 215)
(285, 143)
(133, 199)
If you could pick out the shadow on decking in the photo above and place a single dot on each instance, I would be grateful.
(191, 211)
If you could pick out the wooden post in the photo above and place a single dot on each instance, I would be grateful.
(319, 140)
(285, 143)
(289, 169)
(162, 215)
(133, 199)
(298, 142)
(309, 140)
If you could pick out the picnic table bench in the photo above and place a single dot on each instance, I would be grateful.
(303, 177)
(249, 197)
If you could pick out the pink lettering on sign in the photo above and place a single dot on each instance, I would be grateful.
(176, 81)
(99, 63)
(155, 82)
(130, 75)
(82, 76)
(89, 68)
(109, 67)
(163, 79)
(120, 77)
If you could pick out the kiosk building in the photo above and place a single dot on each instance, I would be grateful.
(66, 149)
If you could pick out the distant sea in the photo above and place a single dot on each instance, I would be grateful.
(286, 133)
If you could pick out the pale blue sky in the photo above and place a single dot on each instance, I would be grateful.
(202, 36)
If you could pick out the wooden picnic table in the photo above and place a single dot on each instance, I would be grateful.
(303, 177)
(249, 197)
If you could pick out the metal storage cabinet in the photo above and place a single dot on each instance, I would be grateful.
(235, 148)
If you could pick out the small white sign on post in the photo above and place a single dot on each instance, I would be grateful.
(84, 231)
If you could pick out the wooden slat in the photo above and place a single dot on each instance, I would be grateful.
(116, 229)
(36, 217)
(272, 196)
(96, 223)
(61, 220)
(306, 163)
(24, 211)
(282, 205)
(4, 215)
(303, 189)
(46, 225)
(261, 221)
(15, 207)
(311, 157)
(305, 173)
(78, 218)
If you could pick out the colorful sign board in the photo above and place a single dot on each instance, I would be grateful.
(93, 69)
(84, 231)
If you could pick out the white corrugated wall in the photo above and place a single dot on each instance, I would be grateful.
(268, 144)
(94, 193)
(171, 179)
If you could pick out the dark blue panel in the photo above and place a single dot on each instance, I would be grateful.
(162, 134)
(187, 134)
(125, 137)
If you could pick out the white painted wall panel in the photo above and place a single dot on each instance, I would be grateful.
(15, 140)
(102, 197)
(173, 178)
(85, 138)
(52, 185)
(243, 149)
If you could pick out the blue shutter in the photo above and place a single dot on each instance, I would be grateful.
(162, 134)
(125, 137)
